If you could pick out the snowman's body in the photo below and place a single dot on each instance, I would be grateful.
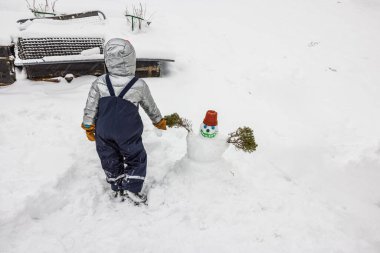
(208, 145)
(203, 149)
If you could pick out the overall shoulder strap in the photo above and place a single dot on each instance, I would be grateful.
(127, 87)
(109, 86)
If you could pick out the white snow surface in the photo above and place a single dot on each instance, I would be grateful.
(89, 55)
(201, 149)
(92, 51)
(303, 74)
(41, 28)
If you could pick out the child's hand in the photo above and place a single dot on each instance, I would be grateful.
(90, 131)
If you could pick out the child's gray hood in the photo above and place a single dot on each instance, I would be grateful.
(120, 57)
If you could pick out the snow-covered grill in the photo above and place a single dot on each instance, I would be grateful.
(55, 46)
(70, 44)
(38, 48)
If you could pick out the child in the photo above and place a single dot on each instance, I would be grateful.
(111, 118)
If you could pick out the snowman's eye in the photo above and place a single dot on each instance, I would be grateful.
(213, 128)
(204, 126)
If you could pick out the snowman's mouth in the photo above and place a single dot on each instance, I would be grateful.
(208, 135)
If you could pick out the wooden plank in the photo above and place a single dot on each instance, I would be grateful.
(38, 71)
(80, 68)
(7, 72)
(145, 67)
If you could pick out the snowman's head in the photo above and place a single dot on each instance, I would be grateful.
(209, 127)
(208, 131)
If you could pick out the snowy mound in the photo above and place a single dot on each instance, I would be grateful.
(304, 74)
(57, 28)
(202, 149)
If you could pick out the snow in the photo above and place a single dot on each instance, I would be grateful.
(82, 57)
(85, 55)
(62, 58)
(303, 74)
(201, 149)
(92, 51)
(43, 28)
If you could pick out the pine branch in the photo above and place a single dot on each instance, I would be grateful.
(243, 139)
(174, 120)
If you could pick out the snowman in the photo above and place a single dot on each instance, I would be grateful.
(202, 174)
(207, 145)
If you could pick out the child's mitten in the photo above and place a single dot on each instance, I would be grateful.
(90, 131)
(161, 124)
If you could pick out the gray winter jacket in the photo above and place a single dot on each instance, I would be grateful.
(120, 59)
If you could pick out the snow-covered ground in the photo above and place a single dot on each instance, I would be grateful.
(304, 74)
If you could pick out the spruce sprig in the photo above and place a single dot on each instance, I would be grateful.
(174, 120)
(243, 139)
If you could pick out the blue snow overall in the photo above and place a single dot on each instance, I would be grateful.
(118, 140)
